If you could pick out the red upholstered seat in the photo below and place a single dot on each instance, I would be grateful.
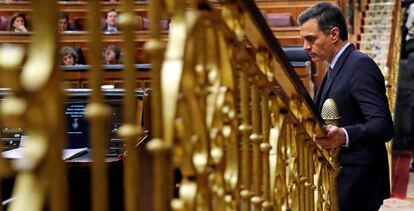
(80, 23)
(165, 24)
(4, 20)
(280, 19)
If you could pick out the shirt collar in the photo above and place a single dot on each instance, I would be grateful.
(335, 59)
(112, 28)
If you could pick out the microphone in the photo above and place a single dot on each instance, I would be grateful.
(331, 116)
(330, 113)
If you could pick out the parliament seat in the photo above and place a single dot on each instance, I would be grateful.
(4, 21)
(304, 67)
(279, 19)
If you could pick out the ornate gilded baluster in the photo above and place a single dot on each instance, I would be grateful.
(264, 64)
(37, 107)
(311, 172)
(97, 112)
(265, 149)
(318, 181)
(292, 166)
(326, 185)
(301, 169)
(166, 76)
(11, 108)
(222, 123)
(306, 175)
(256, 139)
(245, 129)
(130, 131)
(277, 157)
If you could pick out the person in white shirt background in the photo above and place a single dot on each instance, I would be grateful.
(409, 23)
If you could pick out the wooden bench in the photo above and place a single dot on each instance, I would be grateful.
(77, 76)
(78, 39)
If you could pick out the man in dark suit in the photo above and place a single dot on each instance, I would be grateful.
(111, 21)
(356, 84)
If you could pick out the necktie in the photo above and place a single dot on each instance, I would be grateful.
(325, 87)
(329, 73)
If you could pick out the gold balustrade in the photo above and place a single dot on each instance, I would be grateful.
(37, 106)
(394, 55)
(227, 112)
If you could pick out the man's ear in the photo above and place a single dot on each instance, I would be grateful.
(335, 34)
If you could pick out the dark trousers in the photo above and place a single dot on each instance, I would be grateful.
(363, 187)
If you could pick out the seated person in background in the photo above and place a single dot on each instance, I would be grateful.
(18, 23)
(111, 21)
(112, 55)
(63, 22)
(9, 1)
(410, 21)
(409, 24)
(68, 56)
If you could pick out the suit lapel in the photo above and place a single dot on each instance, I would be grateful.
(336, 69)
(319, 92)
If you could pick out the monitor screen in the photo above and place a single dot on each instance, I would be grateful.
(77, 127)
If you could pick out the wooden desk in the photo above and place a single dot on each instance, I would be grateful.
(77, 76)
(79, 181)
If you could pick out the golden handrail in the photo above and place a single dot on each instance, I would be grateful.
(36, 105)
(227, 110)
(130, 131)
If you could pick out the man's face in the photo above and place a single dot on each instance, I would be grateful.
(62, 24)
(111, 18)
(319, 45)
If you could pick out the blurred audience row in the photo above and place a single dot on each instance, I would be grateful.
(73, 56)
(10, 1)
(20, 22)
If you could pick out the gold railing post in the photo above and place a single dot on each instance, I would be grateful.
(159, 146)
(265, 149)
(227, 112)
(35, 104)
(245, 129)
(311, 172)
(97, 111)
(256, 139)
(130, 131)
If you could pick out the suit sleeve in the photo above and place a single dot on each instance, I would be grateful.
(367, 88)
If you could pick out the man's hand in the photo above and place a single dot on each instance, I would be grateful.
(335, 137)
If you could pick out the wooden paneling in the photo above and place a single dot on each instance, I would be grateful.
(79, 39)
(78, 77)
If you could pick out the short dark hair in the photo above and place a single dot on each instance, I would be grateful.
(111, 10)
(63, 15)
(328, 16)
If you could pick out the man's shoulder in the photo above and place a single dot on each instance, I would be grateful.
(352, 51)
(361, 63)
(356, 54)
(358, 60)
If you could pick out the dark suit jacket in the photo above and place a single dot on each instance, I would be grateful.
(357, 86)
(105, 29)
